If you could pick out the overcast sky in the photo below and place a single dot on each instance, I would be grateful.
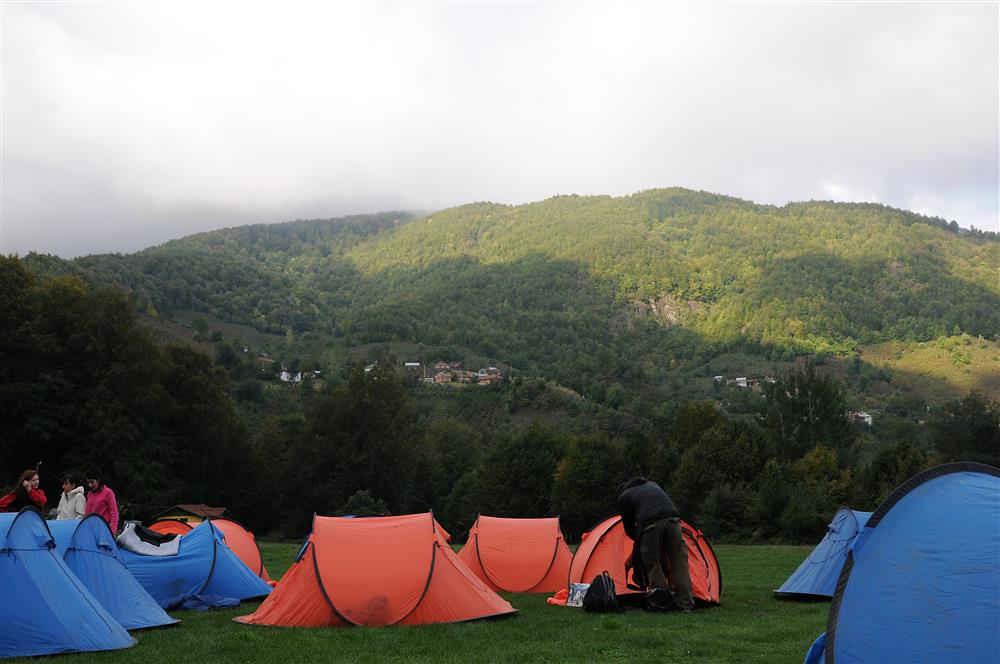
(125, 124)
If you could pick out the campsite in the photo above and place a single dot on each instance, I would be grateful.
(501, 331)
(751, 626)
(400, 584)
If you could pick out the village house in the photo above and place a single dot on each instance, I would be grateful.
(862, 416)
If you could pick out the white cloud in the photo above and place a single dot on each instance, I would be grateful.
(126, 124)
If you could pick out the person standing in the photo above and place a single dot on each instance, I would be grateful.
(25, 494)
(101, 501)
(653, 522)
(72, 503)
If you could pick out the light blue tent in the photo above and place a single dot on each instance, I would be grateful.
(203, 571)
(922, 580)
(44, 608)
(817, 575)
(89, 549)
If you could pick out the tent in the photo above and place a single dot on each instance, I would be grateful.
(921, 581)
(244, 545)
(44, 607)
(607, 547)
(377, 571)
(517, 555)
(817, 575)
(238, 538)
(171, 527)
(89, 549)
(201, 566)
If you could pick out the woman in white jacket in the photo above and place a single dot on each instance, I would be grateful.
(72, 503)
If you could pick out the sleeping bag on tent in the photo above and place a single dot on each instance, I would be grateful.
(817, 575)
(921, 581)
(376, 571)
(517, 555)
(202, 570)
(607, 547)
(44, 608)
(89, 549)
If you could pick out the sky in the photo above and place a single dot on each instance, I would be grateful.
(126, 124)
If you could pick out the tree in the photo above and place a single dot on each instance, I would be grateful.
(967, 430)
(583, 491)
(516, 475)
(803, 409)
(889, 468)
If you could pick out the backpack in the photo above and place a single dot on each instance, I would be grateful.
(601, 596)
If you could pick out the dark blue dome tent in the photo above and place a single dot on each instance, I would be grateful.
(89, 549)
(817, 576)
(194, 571)
(44, 608)
(921, 582)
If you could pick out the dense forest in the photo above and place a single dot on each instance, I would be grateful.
(618, 325)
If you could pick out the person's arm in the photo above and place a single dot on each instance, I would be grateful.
(37, 496)
(628, 517)
(113, 511)
(78, 507)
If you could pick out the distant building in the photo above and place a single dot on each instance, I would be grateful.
(192, 513)
(741, 381)
(288, 377)
(862, 416)
(442, 377)
(441, 365)
(487, 379)
(718, 379)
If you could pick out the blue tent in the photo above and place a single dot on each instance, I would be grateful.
(90, 550)
(817, 575)
(44, 608)
(922, 581)
(203, 571)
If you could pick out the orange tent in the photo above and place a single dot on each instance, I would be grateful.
(238, 538)
(243, 544)
(376, 571)
(517, 555)
(171, 527)
(607, 547)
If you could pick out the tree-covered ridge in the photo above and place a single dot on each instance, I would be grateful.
(259, 275)
(602, 294)
(819, 276)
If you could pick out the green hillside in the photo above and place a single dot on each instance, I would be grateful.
(631, 296)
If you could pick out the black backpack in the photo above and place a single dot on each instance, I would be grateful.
(600, 596)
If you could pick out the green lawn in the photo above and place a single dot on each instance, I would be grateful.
(750, 626)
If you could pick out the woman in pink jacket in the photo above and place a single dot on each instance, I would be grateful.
(101, 501)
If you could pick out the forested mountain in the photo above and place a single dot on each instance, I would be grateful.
(589, 291)
(619, 324)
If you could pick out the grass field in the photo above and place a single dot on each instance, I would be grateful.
(750, 626)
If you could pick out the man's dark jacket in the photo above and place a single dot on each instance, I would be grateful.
(642, 502)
